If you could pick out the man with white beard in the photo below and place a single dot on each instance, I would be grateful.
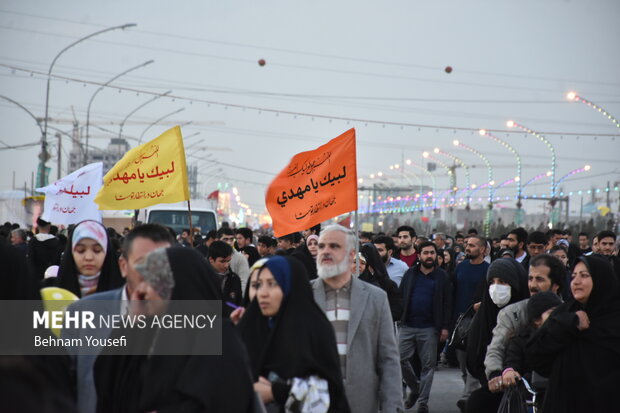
(360, 315)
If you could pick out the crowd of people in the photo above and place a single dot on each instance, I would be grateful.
(328, 320)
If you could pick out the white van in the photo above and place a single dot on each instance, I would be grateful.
(176, 217)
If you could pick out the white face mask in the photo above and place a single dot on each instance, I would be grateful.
(500, 294)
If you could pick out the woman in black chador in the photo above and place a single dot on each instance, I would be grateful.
(290, 341)
(578, 347)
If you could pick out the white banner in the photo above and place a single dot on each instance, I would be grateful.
(72, 199)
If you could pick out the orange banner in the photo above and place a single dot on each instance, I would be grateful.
(315, 186)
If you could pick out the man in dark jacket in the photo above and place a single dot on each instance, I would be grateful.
(220, 256)
(427, 293)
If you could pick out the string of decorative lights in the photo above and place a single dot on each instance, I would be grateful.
(586, 168)
(512, 124)
(463, 165)
(296, 114)
(421, 197)
(491, 183)
(385, 206)
(573, 97)
(517, 179)
(486, 161)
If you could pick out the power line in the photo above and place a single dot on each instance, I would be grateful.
(312, 116)
(309, 53)
(22, 146)
(293, 66)
(232, 165)
(333, 101)
(200, 87)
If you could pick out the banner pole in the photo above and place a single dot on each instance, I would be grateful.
(357, 244)
(191, 227)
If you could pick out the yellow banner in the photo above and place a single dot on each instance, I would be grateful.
(152, 173)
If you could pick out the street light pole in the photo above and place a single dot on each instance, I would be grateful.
(513, 124)
(44, 155)
(519, 214)
(463, 165)
(157, 121)
(491, 183)
(120, 130)
(90, 102)
(47, 95)
(452, 177)
(432, 176)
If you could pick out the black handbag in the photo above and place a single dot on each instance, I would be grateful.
(459, 334)
(513, 400)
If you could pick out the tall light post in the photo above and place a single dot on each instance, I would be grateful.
(90, 102)
(513, 124)
(517, 179)
(433, 180)
(489, 214)
(451, 174)
(155, 122)
(44, 155)
(37, 120)
(47, 95)
(407, 175)
(120, 129)
(573, 97)
(465, 167)
(427, 155)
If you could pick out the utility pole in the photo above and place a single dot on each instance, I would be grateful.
(581, 214)
(608, 203)
(59, 161)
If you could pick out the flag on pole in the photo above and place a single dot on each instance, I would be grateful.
(315, 186)
(71, 199)
(152, 173)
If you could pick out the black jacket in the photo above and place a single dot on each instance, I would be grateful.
(515, 352)
(526, 262)
(442, 301)
(394, 298)
(231, 290)
(302, 253)
(42, 254)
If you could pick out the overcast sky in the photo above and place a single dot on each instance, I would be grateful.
(329, 66)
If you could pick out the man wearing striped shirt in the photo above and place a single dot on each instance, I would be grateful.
(360, 315)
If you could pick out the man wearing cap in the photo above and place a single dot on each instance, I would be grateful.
(546, 273)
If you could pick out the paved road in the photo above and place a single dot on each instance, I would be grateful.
(446, 390)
